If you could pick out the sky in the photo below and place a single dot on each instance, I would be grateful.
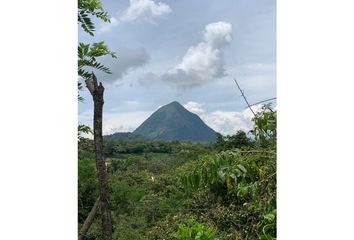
(185, 51)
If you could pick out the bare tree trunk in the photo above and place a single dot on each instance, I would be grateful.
(97, 94)
(86, 226)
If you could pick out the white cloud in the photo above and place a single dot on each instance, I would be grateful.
(218, 34)
(225, 122)
(144, 10)
(194, 107)
(229, 122)
(247, 113)
(202, 63)
(127, 60)
(138, 11)
(117, 121)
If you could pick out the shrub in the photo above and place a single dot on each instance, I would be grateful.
(194, 230)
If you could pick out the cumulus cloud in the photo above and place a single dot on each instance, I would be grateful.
(218, 34)
(202, 63)
(229, 122)
(139, 11)
(225, 122)
(194, 107)
(127, 60)
(148, 10)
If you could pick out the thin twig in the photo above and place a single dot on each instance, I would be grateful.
(244, 97)
(270, 99)
(249, 106)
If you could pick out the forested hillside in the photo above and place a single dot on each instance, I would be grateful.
(183, 190)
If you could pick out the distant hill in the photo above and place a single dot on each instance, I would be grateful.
(174, 122)
(127, 136)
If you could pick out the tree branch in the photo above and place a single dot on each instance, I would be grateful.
(88, 221)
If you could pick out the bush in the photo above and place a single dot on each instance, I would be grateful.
(194, 230)
(239, 185)
(87, 187)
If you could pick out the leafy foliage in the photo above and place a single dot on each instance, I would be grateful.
(87, 187)
(83, 129)
(239, 180)
(112, 148)
(85, 148)
(242, 182)
(143, 186)
(194, 230)
(265, 129)
(87, 57)
(87, 53)
(228, 142)
(93, 8)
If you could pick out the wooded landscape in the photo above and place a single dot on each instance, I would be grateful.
(150, 189)
(180, 190)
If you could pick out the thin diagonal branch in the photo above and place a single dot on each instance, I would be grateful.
(244, 97)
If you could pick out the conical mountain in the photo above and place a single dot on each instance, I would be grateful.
(174, 122)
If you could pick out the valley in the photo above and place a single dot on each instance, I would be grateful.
(161, 188)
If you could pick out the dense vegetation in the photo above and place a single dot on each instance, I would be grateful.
(184, 190)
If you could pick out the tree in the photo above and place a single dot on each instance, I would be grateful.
(87, 57)
(96, 91)
(237, 140)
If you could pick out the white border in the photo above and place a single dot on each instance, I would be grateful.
(315, 70)
(38, 172)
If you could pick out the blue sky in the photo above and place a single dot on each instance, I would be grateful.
(185, 51)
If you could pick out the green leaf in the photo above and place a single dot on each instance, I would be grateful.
(242, 168)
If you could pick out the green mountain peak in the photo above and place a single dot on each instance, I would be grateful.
(174, 122)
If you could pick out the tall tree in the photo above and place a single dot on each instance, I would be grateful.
(96, 91)
(87, 57)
